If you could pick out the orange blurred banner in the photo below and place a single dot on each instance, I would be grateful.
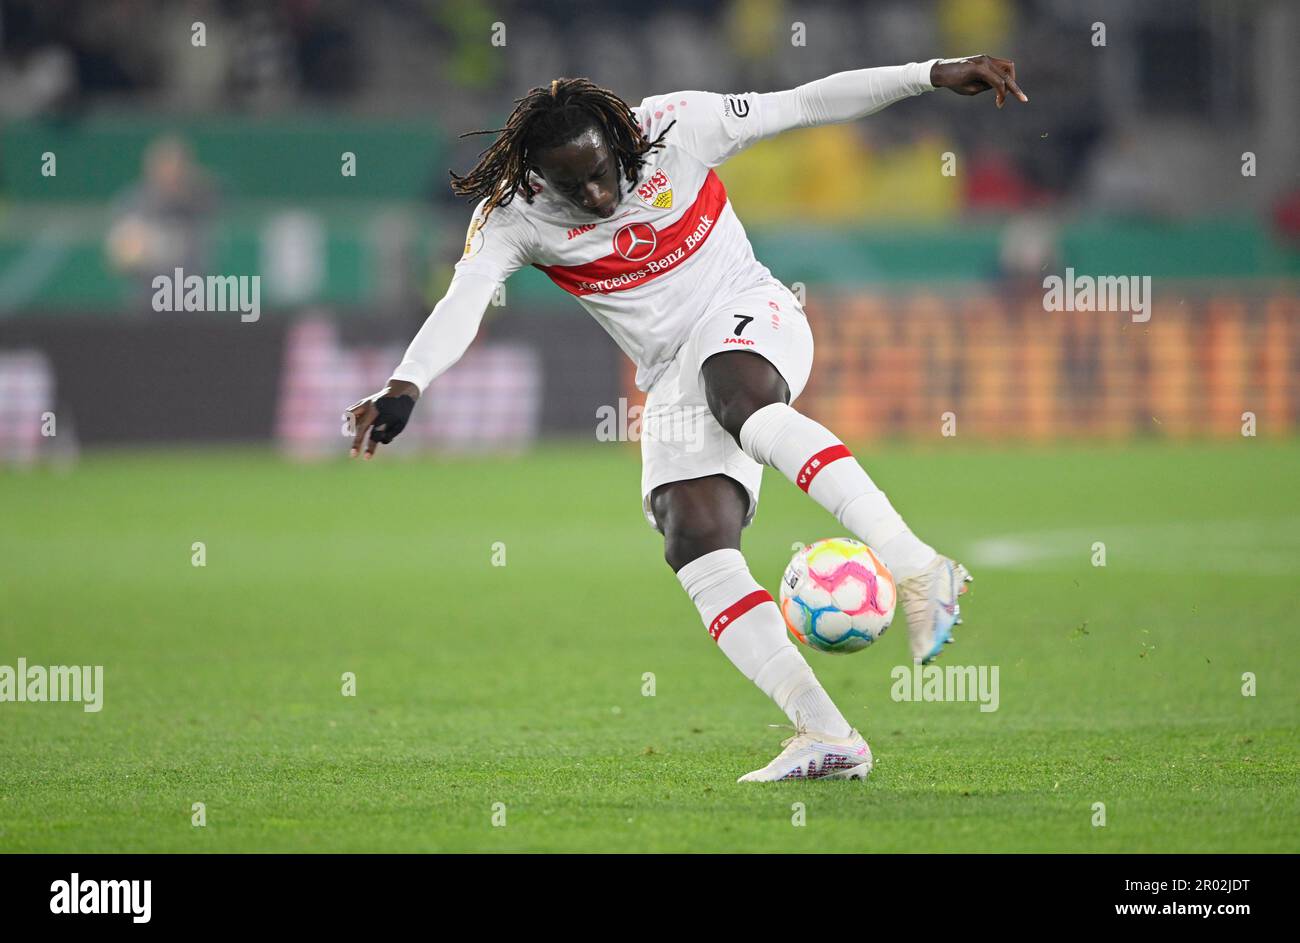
(925, 365)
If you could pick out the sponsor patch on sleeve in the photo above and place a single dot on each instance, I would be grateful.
(474, 237)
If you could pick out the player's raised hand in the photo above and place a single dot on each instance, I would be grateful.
(382, 415)
(978, 74)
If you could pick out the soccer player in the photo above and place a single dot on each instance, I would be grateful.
(621, 208)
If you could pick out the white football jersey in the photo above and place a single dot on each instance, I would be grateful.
(673, 248)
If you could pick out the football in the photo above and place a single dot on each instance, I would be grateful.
(837, 596)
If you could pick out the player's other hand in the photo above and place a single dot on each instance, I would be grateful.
(382, 415)
(978, 74)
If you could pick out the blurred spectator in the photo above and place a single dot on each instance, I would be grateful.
(38, 71)
(1030, 249)
(264, 67)
(835, 174)
(975, 27)
(165, 221)
(473, 63)
(994, 183)
(325, 38)
(35, 80)
(114, 45)
(195, 78)
(1286, 219)
(753, 27)
(1124, 179)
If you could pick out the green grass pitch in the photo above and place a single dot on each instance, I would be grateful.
(522, 685)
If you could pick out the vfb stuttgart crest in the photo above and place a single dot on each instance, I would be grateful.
(636, 242)
(657, 192)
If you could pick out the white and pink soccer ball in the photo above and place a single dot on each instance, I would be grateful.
(837, 596)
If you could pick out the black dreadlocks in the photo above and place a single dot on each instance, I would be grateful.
(549, 117)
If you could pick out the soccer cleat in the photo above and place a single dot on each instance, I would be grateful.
(809, 755)
(930, 601)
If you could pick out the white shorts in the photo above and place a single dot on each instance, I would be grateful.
(680, 439)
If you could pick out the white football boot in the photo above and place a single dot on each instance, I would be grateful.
(809, 755)
(930, 601)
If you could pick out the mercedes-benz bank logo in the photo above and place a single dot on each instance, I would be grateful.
(635, 242)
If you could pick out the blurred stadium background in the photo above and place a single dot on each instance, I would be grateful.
(226, 588)
(925, 289)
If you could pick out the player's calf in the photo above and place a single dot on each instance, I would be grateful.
(825, 469)
(738, 613)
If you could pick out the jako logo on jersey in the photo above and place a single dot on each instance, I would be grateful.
(579, 230)
(735, 105)
(738, 340)
(636, 242)
(657, 192)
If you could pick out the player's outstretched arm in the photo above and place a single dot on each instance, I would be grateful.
(721, 126)
(446, 335)
(846, 96)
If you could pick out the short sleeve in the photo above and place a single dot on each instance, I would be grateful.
(497, 247)
(708, 125)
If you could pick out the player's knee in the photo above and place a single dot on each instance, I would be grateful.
(699, 517)
(690, 541)
(738, 384)
(733, 411)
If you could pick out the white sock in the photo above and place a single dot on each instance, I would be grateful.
(747, 625)
(812, 457)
